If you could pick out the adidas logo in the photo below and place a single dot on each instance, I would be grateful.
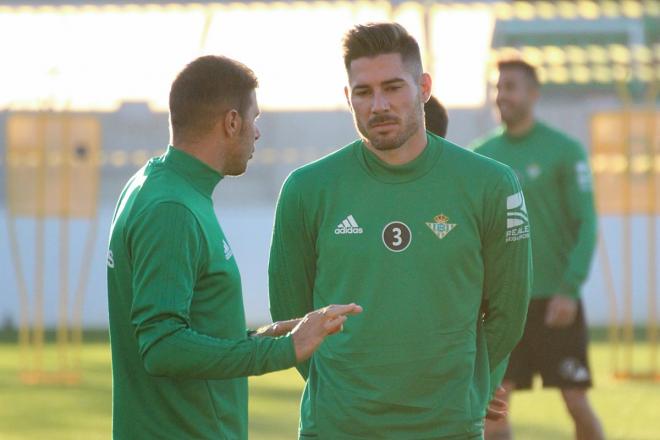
(348, 226)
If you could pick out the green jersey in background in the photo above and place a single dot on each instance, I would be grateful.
(555, 177)
(180, 351)
(419, 246)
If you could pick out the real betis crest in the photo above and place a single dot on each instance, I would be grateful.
(441, 226)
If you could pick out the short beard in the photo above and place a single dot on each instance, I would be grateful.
(514, 117)
(411, 127)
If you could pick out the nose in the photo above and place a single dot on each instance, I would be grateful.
(380, 103)
(257, 133)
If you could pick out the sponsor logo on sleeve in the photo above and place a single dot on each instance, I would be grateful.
(517, 221)
(583, 176)
(228, 252)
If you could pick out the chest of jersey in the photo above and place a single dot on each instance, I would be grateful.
(410, 250)
(424, 221)
(538, 167)
(393, 245)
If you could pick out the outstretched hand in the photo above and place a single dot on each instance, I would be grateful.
(312, 329)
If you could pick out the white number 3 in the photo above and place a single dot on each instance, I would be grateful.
(397, 237)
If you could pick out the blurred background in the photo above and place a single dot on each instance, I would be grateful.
(83, 104)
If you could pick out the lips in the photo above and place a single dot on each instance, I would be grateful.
(380, 124)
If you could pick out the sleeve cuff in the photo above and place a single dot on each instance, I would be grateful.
(569, 289)
(290, 350)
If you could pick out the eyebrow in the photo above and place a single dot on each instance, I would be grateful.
(392, 81)
(389, 82)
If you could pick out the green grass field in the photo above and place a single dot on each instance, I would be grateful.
(629, 410)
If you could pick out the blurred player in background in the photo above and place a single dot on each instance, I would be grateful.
(554, 173)
(435, 117)
(418, 227)
(180, 348)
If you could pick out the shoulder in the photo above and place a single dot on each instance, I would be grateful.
(475, 166)
(564, 144)
(160, 192)
(324, 169)
(487, 142)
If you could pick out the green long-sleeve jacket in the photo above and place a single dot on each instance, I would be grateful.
(180, 351)
(555, 177)
(420, 246)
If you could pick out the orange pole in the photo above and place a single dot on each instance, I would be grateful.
(24, 298)
(652, 325)
(65, 174)
(38, 334)
(611, 294)
(90, 240)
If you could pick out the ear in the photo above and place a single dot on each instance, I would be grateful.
(425, 85)
(232, 123)
(348, 97)
(535, 94)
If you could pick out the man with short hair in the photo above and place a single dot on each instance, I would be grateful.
(180, 348)
(419, 227)
(435, 117)
(555, 177)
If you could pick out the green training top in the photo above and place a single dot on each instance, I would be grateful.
(419, 246)
(554, 174)
(180, 351)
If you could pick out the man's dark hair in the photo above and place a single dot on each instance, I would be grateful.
(523, 66)
(373, 39)
(205, 90)
(435, 116)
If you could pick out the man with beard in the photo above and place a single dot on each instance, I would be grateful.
(555, 177)
(424, 231)
(181, 352)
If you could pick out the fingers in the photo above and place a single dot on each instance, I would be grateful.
(550, 316)
(496, 408)
(561, 311)
(494, 415)
(497, 404)
(335, 310)
(335, 325)
(559, 317)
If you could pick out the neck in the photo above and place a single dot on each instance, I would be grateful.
(521, 127)
(203, 150)
(407, 152)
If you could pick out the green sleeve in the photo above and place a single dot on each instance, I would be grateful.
(292, 265)
(578, 194)
(497, 375)
(507, 269)
(168, 252)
